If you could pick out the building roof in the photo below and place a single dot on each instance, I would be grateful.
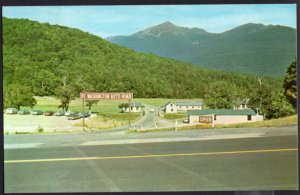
(242, 101)
(135, 104)
(221, 112)
(167, 103)
(188, 104)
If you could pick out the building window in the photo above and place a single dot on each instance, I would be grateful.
(187, 107)
(171, 104)
(179, 106)
(249, 117)
(192, 106)
(215, 117)
(171, 109)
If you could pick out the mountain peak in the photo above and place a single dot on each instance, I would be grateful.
(157, 30)
(167, 23)
(248, 28)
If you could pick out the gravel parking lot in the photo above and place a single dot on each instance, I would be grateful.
(30, 123)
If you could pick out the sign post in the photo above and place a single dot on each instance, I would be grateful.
(105, 96)
(83, 114)
(129, 114)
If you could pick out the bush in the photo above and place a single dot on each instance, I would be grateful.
(40, 129)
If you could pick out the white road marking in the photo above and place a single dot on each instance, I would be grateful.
(28, 145)
(177, 139)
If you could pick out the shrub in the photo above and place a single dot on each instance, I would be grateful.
(40, 129)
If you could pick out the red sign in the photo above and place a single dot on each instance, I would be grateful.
(106, 96)
(205, 119)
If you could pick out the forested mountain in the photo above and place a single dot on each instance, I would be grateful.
(251, 48)
(44, 57)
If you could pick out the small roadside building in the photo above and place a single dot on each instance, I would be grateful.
(171, 107)
(133, 106)
(223, 116)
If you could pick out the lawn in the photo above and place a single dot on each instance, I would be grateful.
(159, 102)
(180, 115)
(107, 122)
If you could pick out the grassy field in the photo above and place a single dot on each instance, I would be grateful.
(160, 102)
(107, 122)
(180, 115)
(103, 107)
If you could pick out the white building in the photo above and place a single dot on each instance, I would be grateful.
(184, 106)
(223, 116)
(171, 107)
(134, 107)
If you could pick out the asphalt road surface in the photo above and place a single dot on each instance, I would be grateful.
(202, 161)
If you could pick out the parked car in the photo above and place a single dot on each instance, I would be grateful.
(59, 113)
(36, 112)
(74, 116)
(186, 120)
(84, 114)
(48, 113)
(11, 111)
(68, 113)
(23, 112)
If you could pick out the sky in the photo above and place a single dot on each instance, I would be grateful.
(106, 21)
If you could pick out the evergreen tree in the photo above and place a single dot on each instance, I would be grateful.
(290, 84)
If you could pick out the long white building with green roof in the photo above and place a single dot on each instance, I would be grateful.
(171, 107)
(223, 116)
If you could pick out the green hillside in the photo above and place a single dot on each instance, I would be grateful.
(43, 57)
(251, 48)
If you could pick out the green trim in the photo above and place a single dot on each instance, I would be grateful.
(221, 112)
(188, 104)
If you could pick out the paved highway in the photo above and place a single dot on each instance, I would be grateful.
(236, 161)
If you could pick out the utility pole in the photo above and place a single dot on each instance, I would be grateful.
(260, 88)
(129, 114)
(83, 114)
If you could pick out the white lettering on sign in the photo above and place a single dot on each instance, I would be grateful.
(106, 96)
(205, 119)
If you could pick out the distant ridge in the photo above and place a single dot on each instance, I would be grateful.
(250, 48)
